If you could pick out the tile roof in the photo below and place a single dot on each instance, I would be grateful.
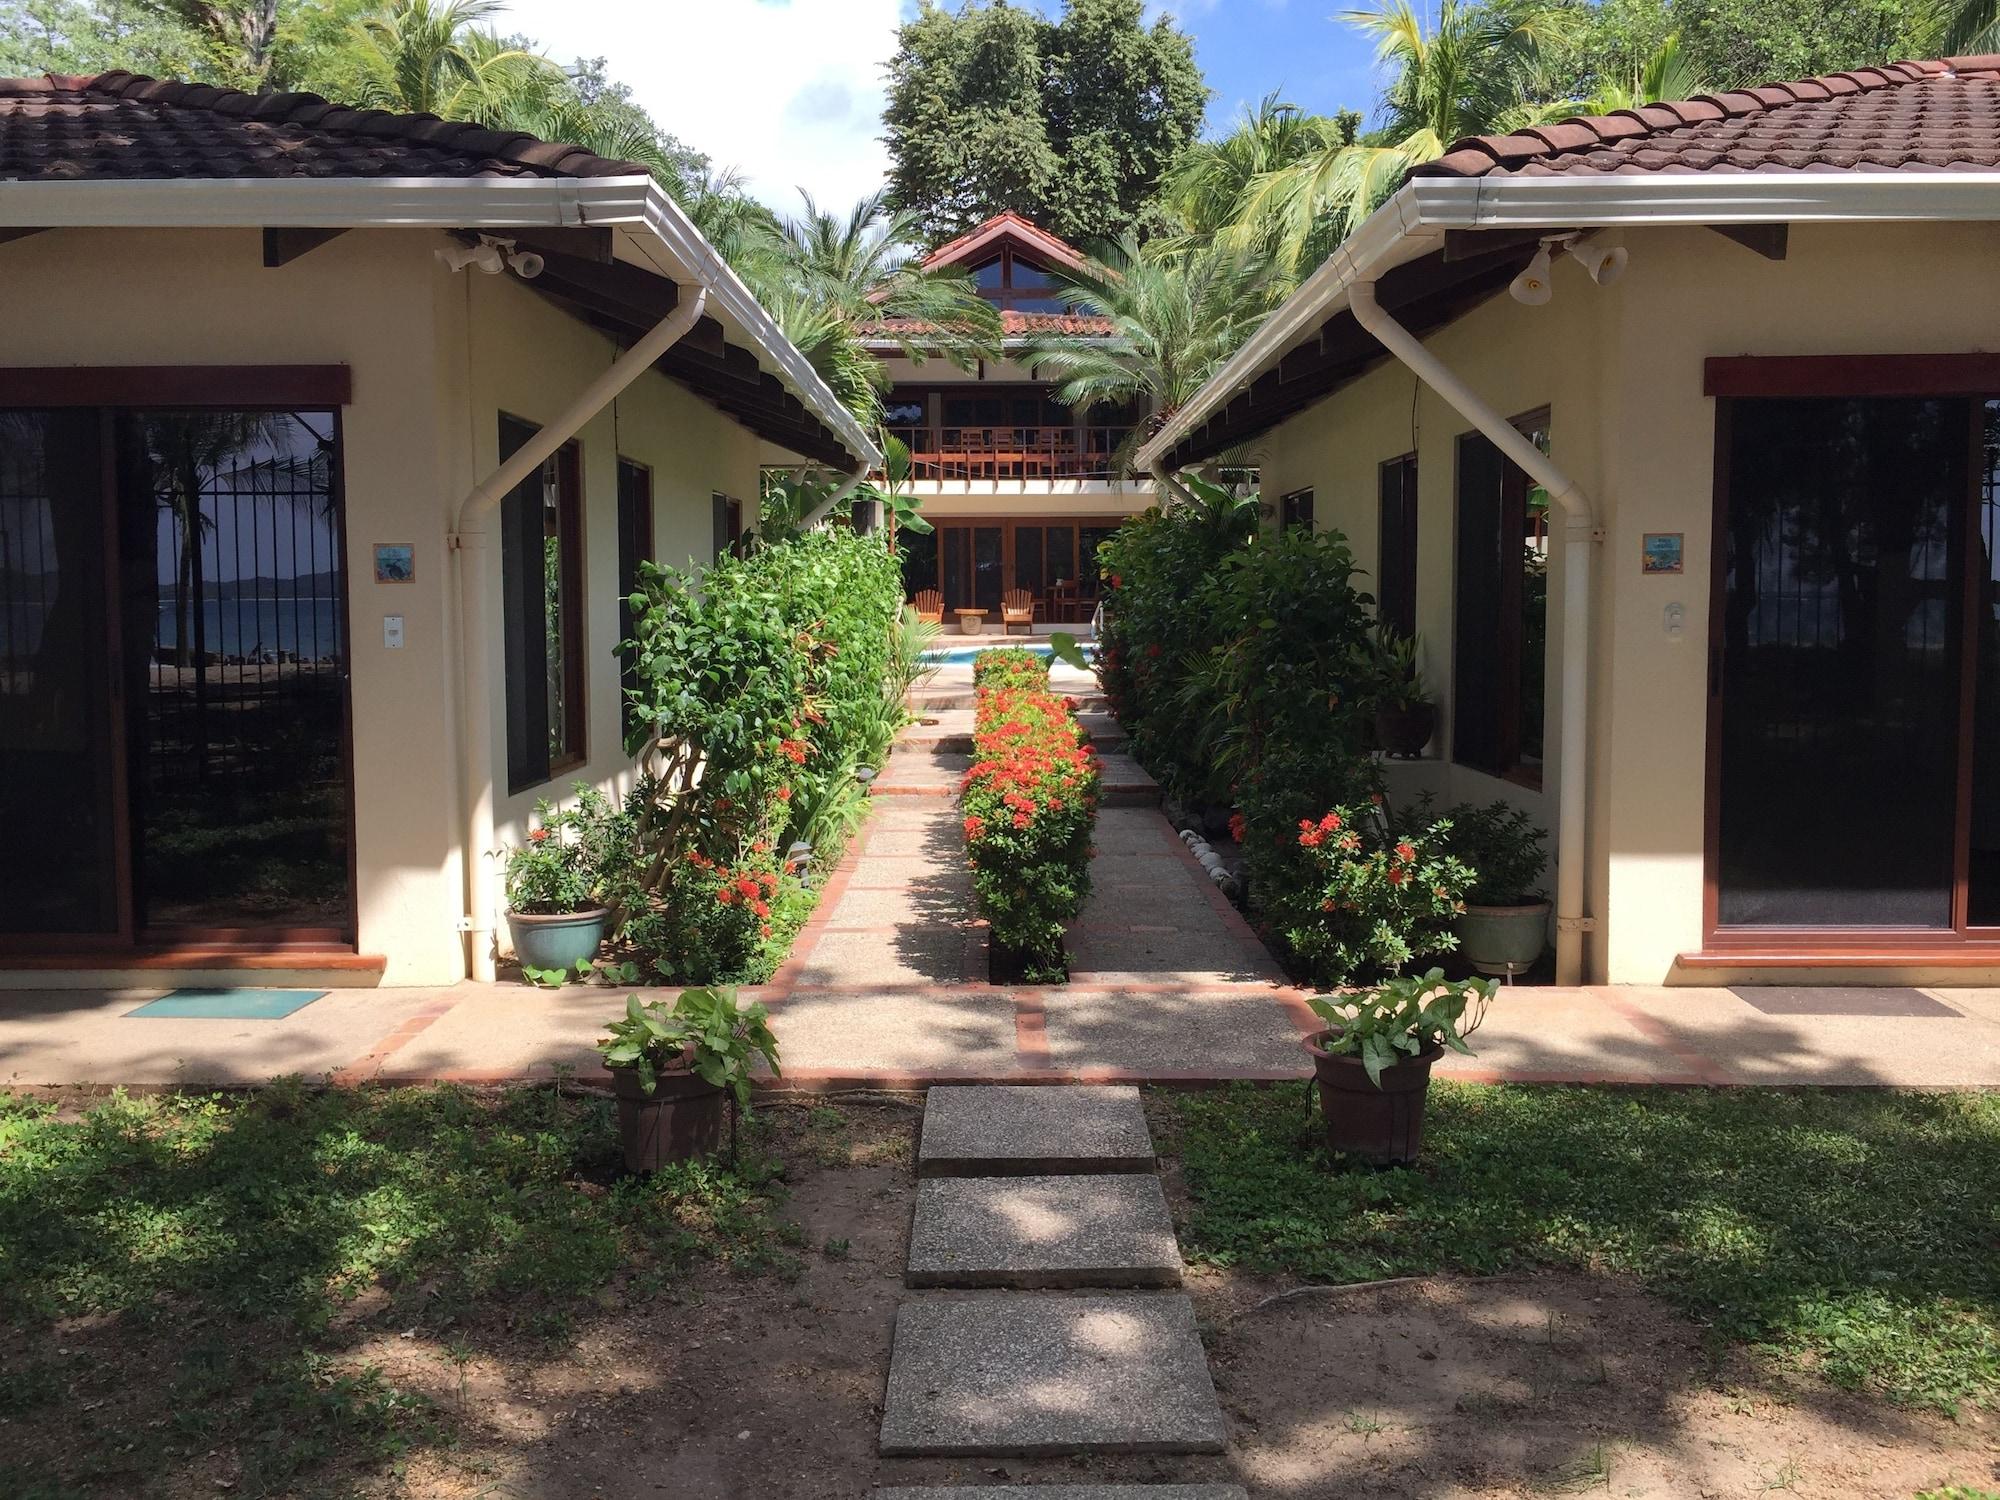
(1906, 117)
(1009, 226)
(125, 125)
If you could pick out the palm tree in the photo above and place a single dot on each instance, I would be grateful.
(1471, 73)
(430, 57)
(1966, 27)
(1668, 74)
(1208, 183)
(1175, 316)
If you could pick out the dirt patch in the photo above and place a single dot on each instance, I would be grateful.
(1543, 1384)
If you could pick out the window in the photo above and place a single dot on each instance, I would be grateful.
(1012, 281)
(541, 570)
(728, 522)
(1295, 511)
(1501, 609)
(1396, 574)
(635, 546)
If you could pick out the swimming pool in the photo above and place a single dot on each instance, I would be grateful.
(959, 656)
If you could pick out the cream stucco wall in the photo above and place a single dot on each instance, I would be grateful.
(1621, 370)
(434, 359)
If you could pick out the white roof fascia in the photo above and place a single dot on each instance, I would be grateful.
(490, 203)
(1423, 208)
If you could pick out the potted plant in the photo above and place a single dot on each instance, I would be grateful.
(1405, 714)
(1373, 1062)
(1505, 925)
(560, 881)
(672, 1066)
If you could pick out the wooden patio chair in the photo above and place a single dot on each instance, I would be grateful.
(929, 605)
(1017, 607)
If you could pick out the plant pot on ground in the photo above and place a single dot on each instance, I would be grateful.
(1505, 925)
(673, 1068)
(560, 881)
(1373, 1062)
(1402, 730)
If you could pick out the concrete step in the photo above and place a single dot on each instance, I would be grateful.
(1043, 1232)
(935, 769)
(1067, 1492)
(935, 700)
(1022, 1131)
(951, 729)
(1023, 1374)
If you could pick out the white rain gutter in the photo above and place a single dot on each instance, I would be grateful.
(469, 581)
(1580, 536)
(825, 508)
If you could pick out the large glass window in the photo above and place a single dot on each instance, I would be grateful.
(541, 560)
(1502, 607)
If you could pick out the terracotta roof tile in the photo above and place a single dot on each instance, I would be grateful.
(1908, 116)
(125, 125)
(1012, 325)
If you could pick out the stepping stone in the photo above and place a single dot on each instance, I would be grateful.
(1019, 1375)
(1027, 1232)
(1016, 1131)
(1070, 1492)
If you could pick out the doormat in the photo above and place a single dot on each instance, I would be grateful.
(227, 1005)
(1840, 1000)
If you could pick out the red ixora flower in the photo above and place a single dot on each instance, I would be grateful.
(1406, 852)
(1237, 826)
(974, 826)
(784, 794)
(536, 835)
(727, 895)
(1397, 876)
(1330, 823)
(747, 888)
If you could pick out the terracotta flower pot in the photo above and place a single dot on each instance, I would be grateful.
(1403, 732)
(1503, 939)
(560, 941)
(681, 1119)
(1385, 1125)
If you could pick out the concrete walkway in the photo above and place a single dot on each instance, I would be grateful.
(886, 987)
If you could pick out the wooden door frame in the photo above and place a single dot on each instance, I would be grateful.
(113, 390)
(1970, 377)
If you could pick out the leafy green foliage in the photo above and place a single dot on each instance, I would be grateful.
(1371, 895)
(573, 859)
(704, 1032)
(221, 1243)
(1070, 122)
(1504, 846)
(1402, 1017)
(1852, 1230)
(1030, 804)
(764, 682)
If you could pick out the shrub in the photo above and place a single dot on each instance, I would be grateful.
(574, 858)
(1030, 803)
(763, 683)
(1505, 848)
(1373, 894)
(1009, 666)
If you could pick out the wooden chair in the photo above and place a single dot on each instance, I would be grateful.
(929, 605)
(1017, 607)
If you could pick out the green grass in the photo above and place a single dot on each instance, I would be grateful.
(211, 1244)
(1856, 1231)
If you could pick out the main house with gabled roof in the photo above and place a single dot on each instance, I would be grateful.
(330, 443)
(1674, 434)
(1020, 487)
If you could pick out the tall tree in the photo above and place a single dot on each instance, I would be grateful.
(78, 36)
(1070, 122)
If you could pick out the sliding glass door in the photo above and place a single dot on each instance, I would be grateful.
(1855, 682)
(173, 665)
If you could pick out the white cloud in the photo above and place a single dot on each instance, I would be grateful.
(787, 91)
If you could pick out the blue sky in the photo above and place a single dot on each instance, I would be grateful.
(789, 92)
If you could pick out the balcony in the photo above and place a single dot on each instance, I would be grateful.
(1011, 453)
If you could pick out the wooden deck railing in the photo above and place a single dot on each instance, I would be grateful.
(939, 453)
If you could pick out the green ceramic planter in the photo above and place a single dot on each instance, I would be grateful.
(1503, 939)
(557, 942)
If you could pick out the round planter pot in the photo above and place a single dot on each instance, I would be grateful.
(557, 942)
(679, 1120)
(1383, 1126)
(1403, 732)
(1503, 939)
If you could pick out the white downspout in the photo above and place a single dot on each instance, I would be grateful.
(825, 508)
(468, 581)
(1580, 535)
(1169, 484)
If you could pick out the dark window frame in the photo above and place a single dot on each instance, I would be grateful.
(1489, 655)
(1396, 544)
(1295, 510)
(635, 546)
(531, 760)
